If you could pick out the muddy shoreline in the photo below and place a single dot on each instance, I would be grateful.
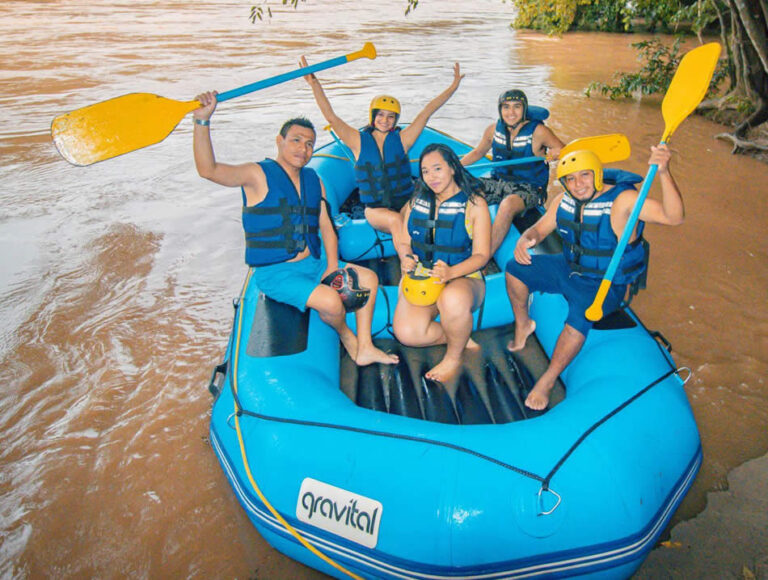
(729, 539)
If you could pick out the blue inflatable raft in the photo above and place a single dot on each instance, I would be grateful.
(585, 489)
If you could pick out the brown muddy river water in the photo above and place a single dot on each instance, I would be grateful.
(116, 279)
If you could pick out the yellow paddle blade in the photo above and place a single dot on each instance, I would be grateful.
(608, 148)
(116, 126)
(689, 85)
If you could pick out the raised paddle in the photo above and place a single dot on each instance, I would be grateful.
(136, 120)
(608, 148)
(685, 92)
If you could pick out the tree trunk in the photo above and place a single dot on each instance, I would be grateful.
(750, 53)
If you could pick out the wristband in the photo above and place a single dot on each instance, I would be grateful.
(203, 122)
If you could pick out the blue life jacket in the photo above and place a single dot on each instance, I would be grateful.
(535, 173)
(282, 224)
(589, 243)
(442, 237)
(383, 182)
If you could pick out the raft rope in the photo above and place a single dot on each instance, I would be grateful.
(545, 481)
(258, 491)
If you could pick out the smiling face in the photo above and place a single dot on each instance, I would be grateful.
(580, 184)
(438, 175)
(295, 149)
(384, 121)
(512, 112)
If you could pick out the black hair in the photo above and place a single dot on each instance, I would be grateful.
(369, 127)
(300, 121)
(467, 182)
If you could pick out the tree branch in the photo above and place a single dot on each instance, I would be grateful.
(755, 32)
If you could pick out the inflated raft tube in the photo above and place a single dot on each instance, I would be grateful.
(585, 489)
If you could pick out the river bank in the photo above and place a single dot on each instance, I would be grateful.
(729, 539)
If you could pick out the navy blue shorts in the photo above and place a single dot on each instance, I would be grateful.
(551, 274)
(291, 282)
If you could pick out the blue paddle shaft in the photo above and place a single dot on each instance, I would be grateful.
(629, 228)
(281, 78)
(507, 162)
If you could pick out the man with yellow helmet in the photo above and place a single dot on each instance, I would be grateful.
(380, 150)
(589, 217)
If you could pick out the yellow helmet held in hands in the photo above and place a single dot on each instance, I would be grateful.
(384, 103)
(579, 161)
(421, 290)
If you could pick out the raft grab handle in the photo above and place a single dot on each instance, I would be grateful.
(544, 512)
(215, 387)
(662, 339)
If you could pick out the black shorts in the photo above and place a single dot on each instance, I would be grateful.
(497, 189)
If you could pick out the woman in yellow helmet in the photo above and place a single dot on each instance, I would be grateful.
(448, 227)
(382, 167)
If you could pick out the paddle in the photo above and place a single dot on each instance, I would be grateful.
(608, 148)
(136, 120)
(685, 92)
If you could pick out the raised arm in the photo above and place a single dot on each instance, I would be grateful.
(248, 175)
(481, 149)
(545, 142)
(669, 211)
(412, 131)
(348, 134)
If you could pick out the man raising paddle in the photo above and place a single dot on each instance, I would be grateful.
(283, 213)
(590, 217)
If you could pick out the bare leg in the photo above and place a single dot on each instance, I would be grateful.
(367, 352)
(456, 303)
(509, 207)
(328, 304)
(388, 221)
(518, 298)
(415, 325)
(568, 345)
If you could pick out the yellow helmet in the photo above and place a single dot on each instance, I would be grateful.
(422, 290)
(385, 103)
(579, 161)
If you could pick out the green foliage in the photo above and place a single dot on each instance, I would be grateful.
(558, 16)
(659, 66)
(656, 13)
(701, 14)
(605, 15)
(551, 16)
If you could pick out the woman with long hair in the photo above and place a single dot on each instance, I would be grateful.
(448, 234)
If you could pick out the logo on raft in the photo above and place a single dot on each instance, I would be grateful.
(341, 512)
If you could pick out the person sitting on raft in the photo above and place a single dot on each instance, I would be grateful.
(380, 150)
(515, 135)
(590, 217)
(448, 227)
(288, 265)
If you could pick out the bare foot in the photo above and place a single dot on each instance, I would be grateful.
(370, 354)
(444, 370)
(538, 398)
(521, 335)
(349, 341)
